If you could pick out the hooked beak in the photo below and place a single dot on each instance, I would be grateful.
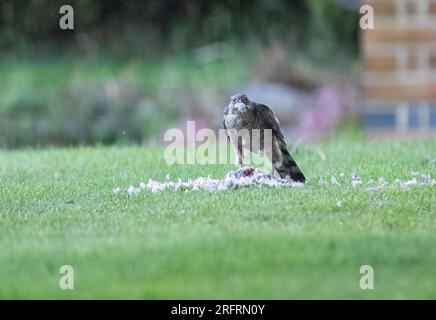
(241, 107)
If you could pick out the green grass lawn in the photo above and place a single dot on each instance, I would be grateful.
(57, 207)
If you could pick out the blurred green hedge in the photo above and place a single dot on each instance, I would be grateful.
(79, 111)
(44, 101)
(157, 26)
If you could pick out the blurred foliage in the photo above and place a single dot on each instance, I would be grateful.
(130, 68)
(157, 26)
(77, 101)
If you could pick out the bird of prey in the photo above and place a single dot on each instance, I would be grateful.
(247, 123)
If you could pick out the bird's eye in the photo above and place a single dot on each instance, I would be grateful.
(233, 100)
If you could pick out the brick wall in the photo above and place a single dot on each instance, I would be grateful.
(399, 68)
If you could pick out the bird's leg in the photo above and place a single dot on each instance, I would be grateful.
(239, 161)
(236, 153)
(240, 155)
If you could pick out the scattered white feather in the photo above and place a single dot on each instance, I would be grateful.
(241, 178)
(355, 180)
(374, 190)
(322, 182)
(252, 177)
(382, 181)
(132, 190)
(426, 179)
(334, 181)
(406, 184)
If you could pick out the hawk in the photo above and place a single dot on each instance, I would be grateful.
(241, 119)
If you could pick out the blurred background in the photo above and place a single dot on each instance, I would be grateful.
(132, 69)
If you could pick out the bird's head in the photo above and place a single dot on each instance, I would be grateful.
(240, 103)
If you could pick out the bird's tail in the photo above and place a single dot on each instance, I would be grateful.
(287, 166)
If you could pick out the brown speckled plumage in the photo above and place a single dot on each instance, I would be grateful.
(244, 120)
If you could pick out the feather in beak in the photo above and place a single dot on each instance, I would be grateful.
(241, 107)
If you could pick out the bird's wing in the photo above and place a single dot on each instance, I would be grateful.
(226, 110)
(268, 119)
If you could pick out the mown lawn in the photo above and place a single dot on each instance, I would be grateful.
(57, 207)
